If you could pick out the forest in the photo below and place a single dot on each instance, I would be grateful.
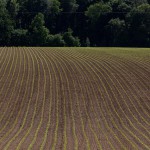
(75, 23)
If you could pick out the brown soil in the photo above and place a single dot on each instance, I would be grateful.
(70, 98)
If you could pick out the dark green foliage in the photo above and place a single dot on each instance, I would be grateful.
(6, 25)
(87, 22)
(139, 20)
(69, 5)
(95, 11)
(70, 40)
(52, 13)
(115, 28)
(19, 37)
(13, 8)
(38, 32)
(55, 40)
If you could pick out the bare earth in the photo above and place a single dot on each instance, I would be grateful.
(74, 98)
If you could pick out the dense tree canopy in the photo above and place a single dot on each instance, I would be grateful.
(75, 23)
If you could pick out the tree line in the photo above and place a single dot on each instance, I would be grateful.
(75, 23)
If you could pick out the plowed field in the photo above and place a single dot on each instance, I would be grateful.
(74, 98)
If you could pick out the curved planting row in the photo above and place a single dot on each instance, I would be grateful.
(74, 98)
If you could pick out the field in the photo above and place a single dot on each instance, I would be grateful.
(74, 98)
